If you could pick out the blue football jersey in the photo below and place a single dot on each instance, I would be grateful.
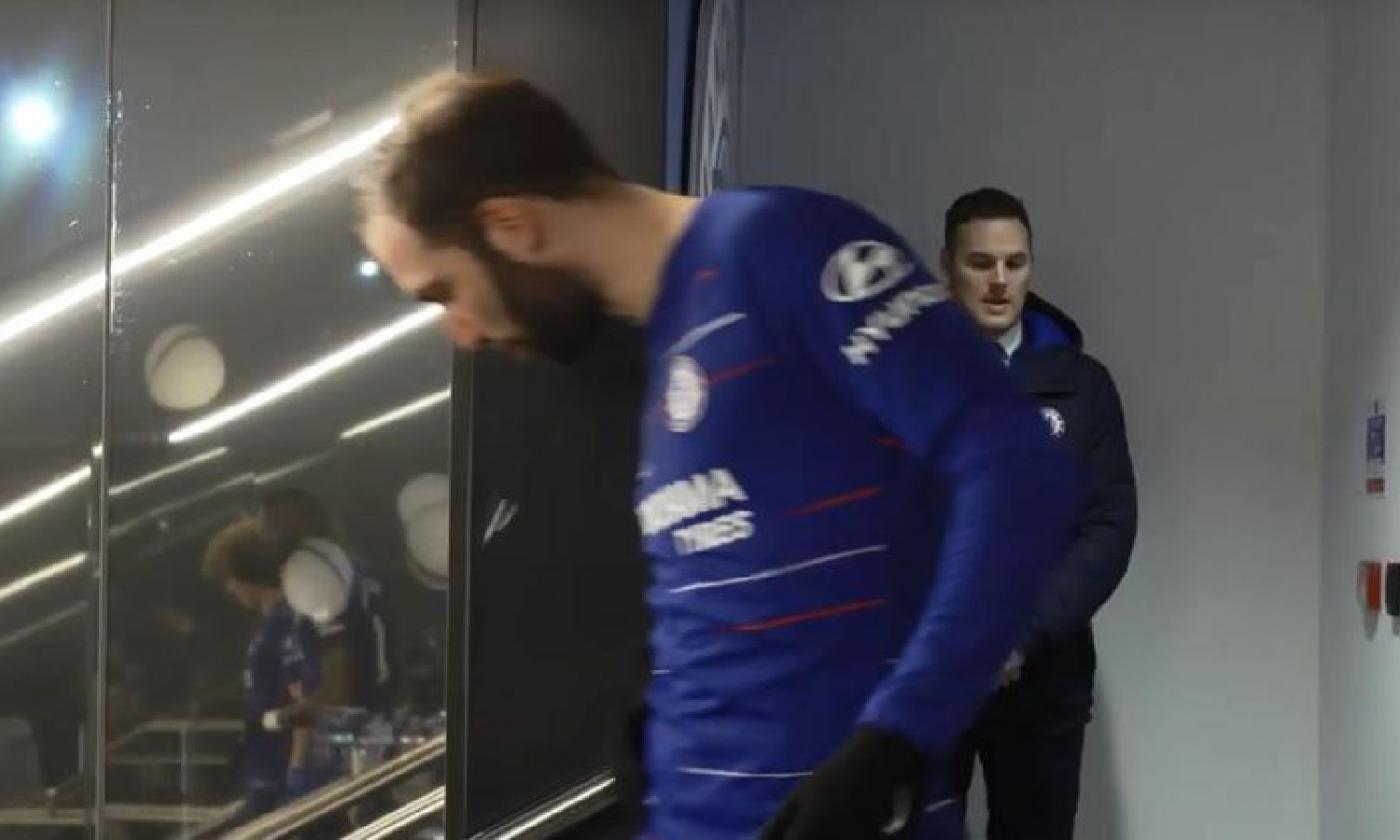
(284, 652)
(847, 504)
(367, 627)
(362, 629)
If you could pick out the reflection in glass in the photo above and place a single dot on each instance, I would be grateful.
(52, 187)
(269, 635)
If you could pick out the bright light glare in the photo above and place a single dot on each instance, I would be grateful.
(302, 377)
(33, 120)
(179, 467)
(291, 469)
(235, 208)
(35, 498)
(556, 809)
(47, 493)
(38, 314)
(369, 269)
(52, 570)
(200, 225)
(124, 528)
(407, 410)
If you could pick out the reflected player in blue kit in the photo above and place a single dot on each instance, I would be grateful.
(281, 672)
(356, 643)
(817, 416)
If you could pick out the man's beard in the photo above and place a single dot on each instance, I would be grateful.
(560, 315)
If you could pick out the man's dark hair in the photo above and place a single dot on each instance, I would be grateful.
(293, 515)
(464, 138)
(981, 205)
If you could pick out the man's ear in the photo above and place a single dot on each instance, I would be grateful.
(944, 269)
(513, 226)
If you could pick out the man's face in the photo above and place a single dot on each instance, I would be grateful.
(489, 300)
(989, 269)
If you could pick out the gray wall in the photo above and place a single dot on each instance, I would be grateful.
(1360, 683)
(1174, 156)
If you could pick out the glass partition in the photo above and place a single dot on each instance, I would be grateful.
(207, 375)
(53, 176)
(263, 371)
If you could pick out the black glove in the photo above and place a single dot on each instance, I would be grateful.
(871, 789)
(629, 767)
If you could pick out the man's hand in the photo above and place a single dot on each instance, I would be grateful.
(299, 782)
(1011, 671)
(872, 789)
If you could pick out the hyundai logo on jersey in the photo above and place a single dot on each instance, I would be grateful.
(863, 270)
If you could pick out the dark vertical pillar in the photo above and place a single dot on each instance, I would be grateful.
(554, 621)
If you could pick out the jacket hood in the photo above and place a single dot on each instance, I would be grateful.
(1048, 326)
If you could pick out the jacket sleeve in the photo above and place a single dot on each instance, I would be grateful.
(1104, 535)
(843, 295)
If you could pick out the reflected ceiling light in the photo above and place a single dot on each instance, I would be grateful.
(240, 205)
(289, 469)
(33, 120)
(33, 579)
(28, 502)
(368, 269)
(43, 495)
(302, 377)
(46, 309)
(126, 527)
(199, 226)
(186, 464)
(562, 806)
(72, 611)
(237, 481)
(408, 410)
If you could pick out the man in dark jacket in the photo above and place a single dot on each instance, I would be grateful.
(1030, 735)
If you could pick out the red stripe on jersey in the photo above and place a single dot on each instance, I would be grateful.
(706, 274)
(891, 442)
(740, 370)
(837, 501)
(814, 615)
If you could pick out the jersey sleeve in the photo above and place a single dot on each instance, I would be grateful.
(839, 291)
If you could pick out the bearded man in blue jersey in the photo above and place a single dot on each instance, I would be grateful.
(817, 415)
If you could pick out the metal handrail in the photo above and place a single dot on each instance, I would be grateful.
(340, 795)
(395, 821)
(38, 816)
(565, 810)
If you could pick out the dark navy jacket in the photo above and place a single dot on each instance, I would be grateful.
(1078, 400)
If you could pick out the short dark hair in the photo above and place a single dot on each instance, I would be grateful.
(246, 553)
(292, 515)
(980, 205)
(464, 138)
